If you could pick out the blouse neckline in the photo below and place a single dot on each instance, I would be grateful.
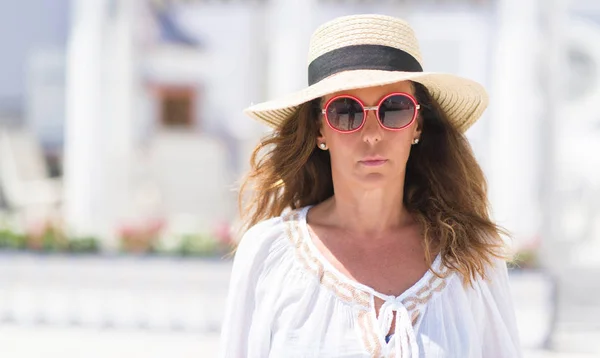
(409, 306)
(324, 261)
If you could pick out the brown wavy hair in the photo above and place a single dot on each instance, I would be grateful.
(445, 188)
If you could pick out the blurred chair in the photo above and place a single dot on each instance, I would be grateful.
(26, 185)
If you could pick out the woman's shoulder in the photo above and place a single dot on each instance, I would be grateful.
(487, 285)
(490, 285)
(259, 237)
(267, 236)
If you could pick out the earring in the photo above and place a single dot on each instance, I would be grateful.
(415, 141)
(323, 146)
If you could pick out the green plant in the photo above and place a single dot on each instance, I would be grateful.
(527, 254)
(48, 237)
(11, 240)
(198, 245)
(526, 258)
(141, 238)
(84, 245)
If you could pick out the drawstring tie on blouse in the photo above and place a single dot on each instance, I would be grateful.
(403, 331)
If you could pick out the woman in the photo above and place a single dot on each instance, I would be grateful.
(369, 229)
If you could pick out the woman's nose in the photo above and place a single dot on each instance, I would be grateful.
(372, 130)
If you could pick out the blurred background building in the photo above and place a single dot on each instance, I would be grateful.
(122, 133)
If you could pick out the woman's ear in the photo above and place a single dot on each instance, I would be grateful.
(321, 133)
(419, 127)
(320, 122)
(321, 139)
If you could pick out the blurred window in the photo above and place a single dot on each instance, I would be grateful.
(177, 107)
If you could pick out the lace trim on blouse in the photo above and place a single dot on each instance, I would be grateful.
(409, 306)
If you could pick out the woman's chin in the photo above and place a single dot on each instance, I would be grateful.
(373, 178)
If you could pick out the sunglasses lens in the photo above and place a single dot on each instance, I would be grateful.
(397, 111)
(345, 114)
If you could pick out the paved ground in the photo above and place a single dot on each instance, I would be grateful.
(126, 307)
(68, 342)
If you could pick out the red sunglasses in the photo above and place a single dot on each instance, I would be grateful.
(347, 114)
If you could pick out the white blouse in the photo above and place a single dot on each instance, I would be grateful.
(286, 300)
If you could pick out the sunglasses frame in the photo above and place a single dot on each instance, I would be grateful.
(372, 108)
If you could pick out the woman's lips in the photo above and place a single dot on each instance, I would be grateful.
(373, 162)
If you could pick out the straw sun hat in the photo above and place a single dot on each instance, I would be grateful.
(360, 51)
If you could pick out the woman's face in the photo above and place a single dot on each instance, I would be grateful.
(372, 155)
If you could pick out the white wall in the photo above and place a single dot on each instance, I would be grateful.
(231, 35)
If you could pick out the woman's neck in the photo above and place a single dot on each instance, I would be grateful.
(371, 213)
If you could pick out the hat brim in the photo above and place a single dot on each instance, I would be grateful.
(462, 100)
